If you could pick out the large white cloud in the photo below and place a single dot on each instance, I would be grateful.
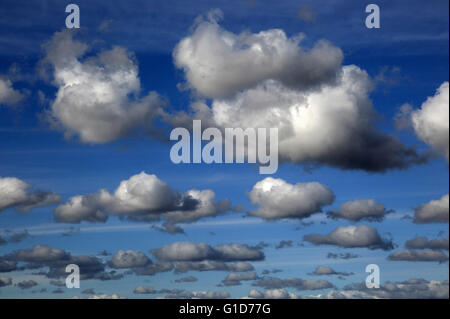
(98, 97)
(17, 194)
(352, 237)
(278, 199)
(142, 197)
(431, 121)
(218, 63)
(435, 211)
(333, 124)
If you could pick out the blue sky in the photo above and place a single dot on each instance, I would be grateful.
(407, 60)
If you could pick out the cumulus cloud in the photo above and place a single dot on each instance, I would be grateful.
(98, 97)
(186, 279)
(17, 194)
(272, 294)
(278, 199)
(7, 265)
(341, 256)
(8, 95)
(423, 243)
(234, 279)
(360, 209)
(212, 265)
(26, 284)
(5, 281)
(154, 268)
(333, 122)
(435, 211)
(409, 289)
(57, 259)
(189, 251)
(218, 63)
(352, 237)
(431, 123)
(183, 294)
(324, 270)
(419, 255)
(296, 283)
(142, 197)
(129, 259)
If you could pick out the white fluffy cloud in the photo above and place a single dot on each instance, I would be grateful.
(15, 193)
(189, 251)
(129, 259)
(218, 63)
(278, 199)
(431, 121)
(98, 97)
(360, 209)
(142, 197)
(8, 95)
(435, 211)
(351, 237)
(333, 123)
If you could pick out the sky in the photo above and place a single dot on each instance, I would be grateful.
(86, 175)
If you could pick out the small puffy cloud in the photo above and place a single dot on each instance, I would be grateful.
(144, 290)
(419, 255)
(423, 243)
(8, 95)
(296, 283)
(234, 279)
(324, 270)
(15, 193)
(189, 251)
(278, 199)
(186, 279)
(197, 295)
(154, 268)
(185, 251)
(212, 265)
(341, 256)
(431, 123)
(272, 294)
(218, 63)
(98, 97)
(7, 265)
(435, 211)
(360, 209)
(26, 284)
(40, 254)
(142, 197)
(129, 259)
(5, 281)
(284, 244)
(352, 237)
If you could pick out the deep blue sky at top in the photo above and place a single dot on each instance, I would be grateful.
(413, 38)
